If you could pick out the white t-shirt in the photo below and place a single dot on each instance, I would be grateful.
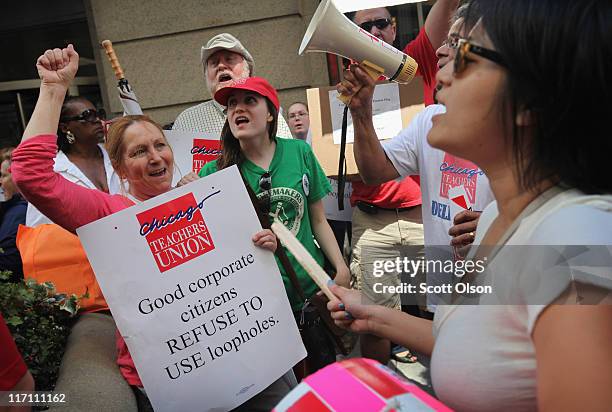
(411, 154)
(71, 172)
(484, 356)
(441, 173)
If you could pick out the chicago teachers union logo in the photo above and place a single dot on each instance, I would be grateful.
(175, 232)
(204, 151)
(459, 172)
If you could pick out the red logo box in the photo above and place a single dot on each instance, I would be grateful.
(459, 172)
(204, 151)
(175, 232)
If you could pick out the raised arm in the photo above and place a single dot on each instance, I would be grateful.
(374, 166)
(437, 23)
(56, 69)
(65, 203)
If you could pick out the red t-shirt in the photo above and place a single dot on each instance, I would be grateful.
(406, 193)
(421, 50)
(12, 366)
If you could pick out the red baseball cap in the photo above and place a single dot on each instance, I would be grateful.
(258, 85)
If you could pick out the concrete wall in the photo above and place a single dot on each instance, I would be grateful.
(158, 44)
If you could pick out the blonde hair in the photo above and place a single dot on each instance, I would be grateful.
(115, 138)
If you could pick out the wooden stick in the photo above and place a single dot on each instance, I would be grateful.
(110, 52)
(303, 257)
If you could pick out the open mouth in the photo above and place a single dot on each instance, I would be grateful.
(224, 77)
(241, 120)
(158, 173)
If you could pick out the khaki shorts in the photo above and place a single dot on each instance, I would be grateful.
(384, 236)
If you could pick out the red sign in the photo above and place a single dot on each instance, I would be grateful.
(459, 172)
(204, 151)
(175, 232)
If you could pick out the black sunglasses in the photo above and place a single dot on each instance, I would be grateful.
(89, 115)
(464, 47)
(265, 184)
(380, 24)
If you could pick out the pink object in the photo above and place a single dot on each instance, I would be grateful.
(357, 385)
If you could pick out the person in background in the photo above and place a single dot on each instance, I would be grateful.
(81, 156)
(388, 216)
(224, 60)
(506, 113)
(13, 213)
(299, 121)
(440, 173)
(14, 374)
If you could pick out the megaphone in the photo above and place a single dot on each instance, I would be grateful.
(331, 31)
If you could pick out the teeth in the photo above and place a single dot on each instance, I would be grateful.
(157, 172)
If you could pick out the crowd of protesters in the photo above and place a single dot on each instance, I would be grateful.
(514, 101)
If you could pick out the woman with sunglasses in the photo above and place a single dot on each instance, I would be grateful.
(81, 156)
(524, 100)
(139, 153)
(283, 173)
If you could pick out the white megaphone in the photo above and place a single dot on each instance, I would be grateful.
(331, 31)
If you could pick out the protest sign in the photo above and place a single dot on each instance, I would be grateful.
(394, 105)
(191, 150)
(203, 311)
(330, 202)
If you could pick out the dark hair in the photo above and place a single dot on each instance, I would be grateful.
(6, 153)
(230, 146)
(62, 141)
(559, 61)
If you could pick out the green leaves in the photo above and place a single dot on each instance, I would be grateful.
(39, 319)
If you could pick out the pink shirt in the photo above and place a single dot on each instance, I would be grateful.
(67, 204)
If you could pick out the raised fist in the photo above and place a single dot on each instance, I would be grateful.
(58, 66)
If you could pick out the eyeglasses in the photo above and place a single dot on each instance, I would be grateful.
(89, 115)
(298, 114)
(464, 47)
(265, 184)
(380, 24)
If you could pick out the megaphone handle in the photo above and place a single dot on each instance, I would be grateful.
(373, 70)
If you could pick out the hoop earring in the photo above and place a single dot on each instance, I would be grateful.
(70, 137)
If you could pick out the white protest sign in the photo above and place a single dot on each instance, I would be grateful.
(191, 151)
(330, 202)
(203, 311)
(386, 113)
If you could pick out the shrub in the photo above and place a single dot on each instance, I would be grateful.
(39, 319)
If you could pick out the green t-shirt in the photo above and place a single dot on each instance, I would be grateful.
(297, 181)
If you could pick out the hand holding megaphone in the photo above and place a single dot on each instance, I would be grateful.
(357, 89)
